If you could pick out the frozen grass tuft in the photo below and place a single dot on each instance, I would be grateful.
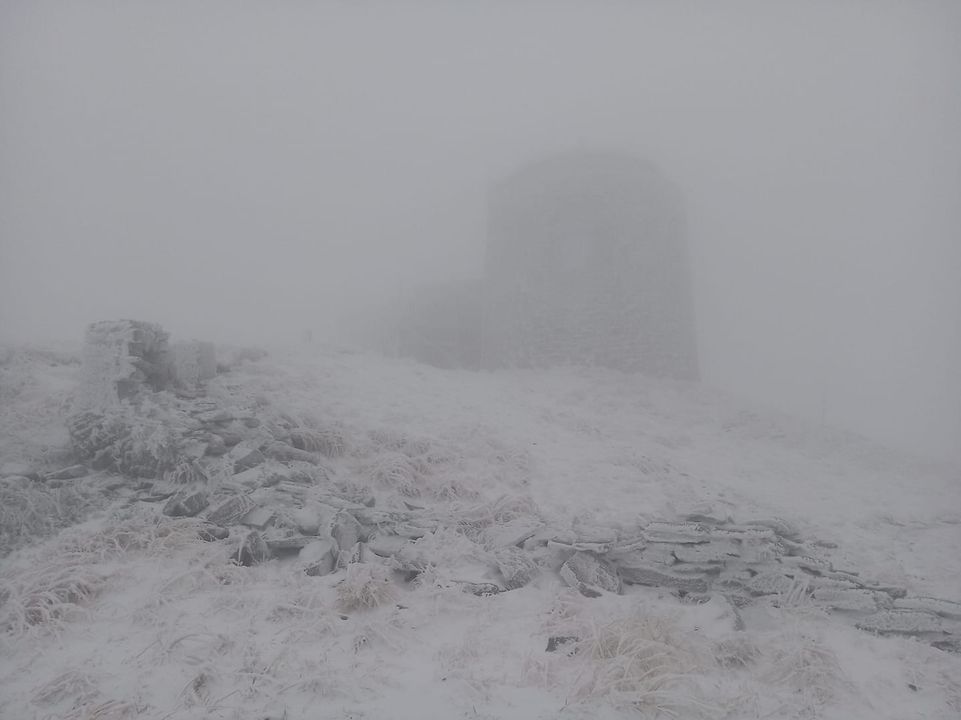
(396, 441)
(472, 521)
(366, 585)
(329, 442)
(74, 685)
(737, 650)
(645, 663)
(47, 596)
(32, 510)
(396, 471)
(110, 710)
(806, 666)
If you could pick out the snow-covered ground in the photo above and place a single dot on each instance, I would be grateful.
(167, 628)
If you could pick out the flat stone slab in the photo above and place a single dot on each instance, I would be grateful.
(814, 565)
(245, 457)
(771, 583)
(715, 551)
(902, 622)
(231, 511)
(386, 546)
(288, 545)
(186, 504)
(654, 576)
(677, 532)
(516, 567)
(944, 608)
(857, 600)
(590, 575)
(744, 533)
(259, 517)
(288, 453)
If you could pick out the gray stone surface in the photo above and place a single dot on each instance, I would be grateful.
(319, 557)
(258, 517)
(186, 504)
(230, 511)
(590, 575)
(653, 575)
(516, 567)
(253, 550)
(346, 531)
(245, 457)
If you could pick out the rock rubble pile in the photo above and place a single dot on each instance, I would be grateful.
(268, 485)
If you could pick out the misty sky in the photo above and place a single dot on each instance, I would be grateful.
(243, 171)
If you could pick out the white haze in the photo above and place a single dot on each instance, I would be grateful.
(244, 171)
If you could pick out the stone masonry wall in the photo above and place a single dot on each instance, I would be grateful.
(587, 263)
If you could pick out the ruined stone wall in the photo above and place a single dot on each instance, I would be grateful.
(587, 263)
(122, 357)
(119, 357)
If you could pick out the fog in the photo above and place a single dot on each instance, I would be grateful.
(246, 171)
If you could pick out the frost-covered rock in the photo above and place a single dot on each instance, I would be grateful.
(230, 511)
(944, 608)
(854, 600)
(590, 575)
(516, 567)
(288, 453)
(387, 546)
(653, 575)
(245, 456)
(346, 532)
(186, 504)
(307, 520)
(258, 517)
(320, 557)
(902, 622)
(253, 550)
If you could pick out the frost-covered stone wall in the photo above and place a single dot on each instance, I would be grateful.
(587, 263)
(120, 357)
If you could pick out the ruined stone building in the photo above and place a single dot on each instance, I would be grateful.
(123, 357)
(587, 263)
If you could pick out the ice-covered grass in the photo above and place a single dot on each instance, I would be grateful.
(31, 510)
(644, 663)
(365, 586)
(52, 585)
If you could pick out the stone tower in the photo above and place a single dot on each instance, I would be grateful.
(587, 263)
